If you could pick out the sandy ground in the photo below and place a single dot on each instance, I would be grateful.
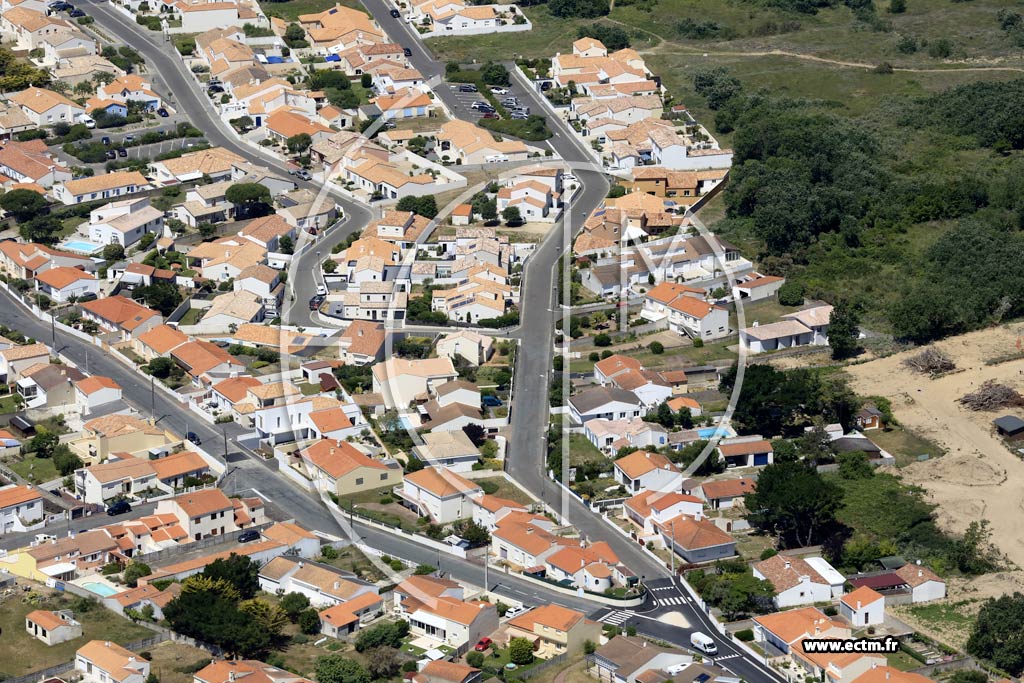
(979, 478)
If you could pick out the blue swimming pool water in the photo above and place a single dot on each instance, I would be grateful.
(707, 432)
(81, 246)
(99, 588)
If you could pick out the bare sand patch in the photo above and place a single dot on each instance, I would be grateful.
(980, 478)
(675, 619)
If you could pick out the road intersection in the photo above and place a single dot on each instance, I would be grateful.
(530, 414)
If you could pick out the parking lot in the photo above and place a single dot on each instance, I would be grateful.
(465, 101)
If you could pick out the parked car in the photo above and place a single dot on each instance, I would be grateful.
(304, 174)
(499, 91)
(519, 116)
(483, 644)
(111, 154)
(395, 13)
(122, 152)
(478, 104)
(510, 101)
(516, 611)
(118, 507)
(407, 52)
(88, 296)
(491, 401)
(546, 85)
(248, 536)
(75, 13)
(315, 302)
(129, 138)
(490, 115)
(468, 87)
(215, 88)
(321, 290)
(162, 113)
(105, 140)
(194, 438)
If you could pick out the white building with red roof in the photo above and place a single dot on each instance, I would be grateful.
(20, 507)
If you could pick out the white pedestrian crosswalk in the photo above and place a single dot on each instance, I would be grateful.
(674, 600)
(663, 588)
(617, 617)
(725, 657)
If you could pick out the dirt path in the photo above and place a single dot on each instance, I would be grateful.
(979, 478)
(668, 46)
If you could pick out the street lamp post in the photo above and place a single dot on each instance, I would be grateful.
(152, 398)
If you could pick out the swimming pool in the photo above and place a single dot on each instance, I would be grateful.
(708, 432)
(81, 246)
(100, 589)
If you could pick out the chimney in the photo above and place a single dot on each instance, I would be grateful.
(231, 676)
(920, 573)
(645, 644)
(858, 604)
(888, 674)
(337, 585)
(107, 643)
(788, 564)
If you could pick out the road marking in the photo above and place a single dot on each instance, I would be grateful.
(616, 618)
(675, 600)
(722, 659)
(261, 496)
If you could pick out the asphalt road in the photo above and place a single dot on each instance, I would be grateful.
(165, 65)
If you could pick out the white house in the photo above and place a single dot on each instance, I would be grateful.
(450, 449)
(610, 403)
(20, 507)
(125, 222)
(46, 107)
(439, 493)
(52, 627)
(400, 380)
(105, 186)
(489, 510)
(323, 585)
(698, 319)
(647, 471)
(466, 344)
(127, 476)
(925, 585)
(797, 582)
(648, 508)
(63, 283)
(93, 392)
(435, 609)
(816, 319)
(863, 607)
(101, 661)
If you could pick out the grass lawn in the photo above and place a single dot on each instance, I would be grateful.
(36, 470)
(583, 451)
(767, 311)
(291, 10)
(507, 489)
(20, 653)
(953, 614)
(8, 404)
(175, 662)
(309, 389)
(192, 316)
(902, 661)
(68, 226)
(353, 560)
(904, 445)
(549, 35)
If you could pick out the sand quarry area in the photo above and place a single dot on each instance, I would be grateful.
(979, 477)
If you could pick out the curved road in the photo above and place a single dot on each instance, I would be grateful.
(527, 457)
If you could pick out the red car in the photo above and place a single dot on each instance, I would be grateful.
(483, 644)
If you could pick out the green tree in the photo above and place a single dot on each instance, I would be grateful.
(494, 73)
(65, 460)
(897, 6)
(160, 367)
(286, 245)
(476, 660)
(656, 347)
(424, 569)
(793, 503)
(43, 228)
(294, 604)
(383, 663)
(581, 9)
(791, 294)
(160, 296)
(388, 634)
(250, 199)
(340, 669)
(43, 444)
(998, 633)
(520, 651)
(512, 216)
(309, 621)
(602, 340)
(294, 34)
(239, 571)
(271, 618)
(843, 330)
(489, 210)
(613, 37)
(22, 204)
(329, 265)
(135, 571)
(298, 144)
(855, 465)
(425, 205)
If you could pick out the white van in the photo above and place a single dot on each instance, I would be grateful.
(703, 643)
(89, 121)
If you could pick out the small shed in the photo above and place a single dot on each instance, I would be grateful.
(1009, 426)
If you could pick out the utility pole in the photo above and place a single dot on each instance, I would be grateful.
(224, 432)
(672, 552)
(152, 398)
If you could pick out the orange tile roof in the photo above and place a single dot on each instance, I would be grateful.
(203, 502)
(236, 389)
(617, 363)
(120, 311)
(26, 351)
(727, 488)
(106, 181)
(745, 447)
(288, 123)
(555, 616)
(45, 618)
(691, 534)
(345, 612)
(163, 338)
(864, 595)
(639, 463)
(338, 458)
(441, 482)
(330, 420)
(785, 572)
(90, 385)
(288, 533)
(916, 574)
(648, 501)
(201, 356)
(888, 674)
(448, 671)
(185, 462)
(679, 402)
(16, 495)
(494, 503)
(795, 624)
(62, 276)
(110, 657)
